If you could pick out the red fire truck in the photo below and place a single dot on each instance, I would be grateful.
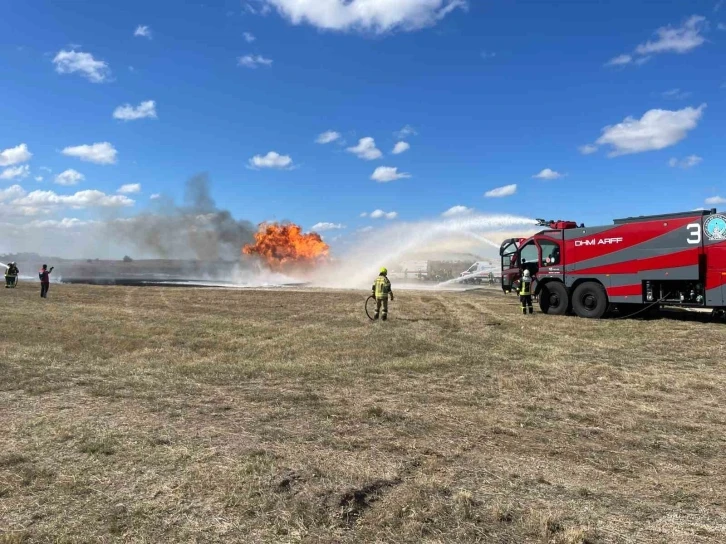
(675, 259)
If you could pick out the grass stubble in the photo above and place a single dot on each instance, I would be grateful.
(193, 415)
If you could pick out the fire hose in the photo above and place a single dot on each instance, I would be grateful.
(648, 307)
(371, 306)
(714, 314)
(369, 300)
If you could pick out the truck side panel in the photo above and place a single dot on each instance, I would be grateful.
(588, 247)
(715, 249)
(625, 255)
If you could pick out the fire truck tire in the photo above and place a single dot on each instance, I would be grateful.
(590, 300)
(554, 299)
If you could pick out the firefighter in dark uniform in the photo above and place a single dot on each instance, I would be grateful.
(525, 292)
(44, 276)
(381, 290)
(11, 275)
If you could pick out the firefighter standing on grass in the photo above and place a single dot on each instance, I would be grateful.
(44, 276)
(381, 290)
(525, 292)
(11, 275)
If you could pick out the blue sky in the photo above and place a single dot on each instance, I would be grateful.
(494, 92)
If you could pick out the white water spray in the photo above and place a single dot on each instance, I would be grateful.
(426, 239)
(482, 239)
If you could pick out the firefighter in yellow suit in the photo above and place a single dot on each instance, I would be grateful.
(381, 290)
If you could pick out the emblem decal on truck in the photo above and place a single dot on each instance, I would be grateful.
(596, 242)
(715, 227)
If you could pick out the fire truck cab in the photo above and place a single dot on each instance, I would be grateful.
(673, 259)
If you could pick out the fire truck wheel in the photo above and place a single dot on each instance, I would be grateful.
(590, 300)
(554, 299)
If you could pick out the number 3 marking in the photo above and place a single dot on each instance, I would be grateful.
(694, 231)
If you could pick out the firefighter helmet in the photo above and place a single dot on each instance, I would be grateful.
(384, 271)
(526, 273)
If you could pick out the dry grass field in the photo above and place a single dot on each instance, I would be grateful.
(185, 415)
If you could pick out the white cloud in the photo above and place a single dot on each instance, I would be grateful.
(65, 223)
(129, 189)
(364, 214)
(271, 160)
(457, 210)
(721, 26)
(322, 227)
(22, 171)
(11, 193)
(263, 9)
(384, 174)
(129, 113)
(405, 132)
(620, 60)
(15, 155)
(401, 147)
(488, 55)
(9, 206)
(249, 37)
(366, 149)
(718, 6)
(365, 229)
(682, 39)
(365, 15)
(142, 31)
(642, 60)
(46, 169)
(688, 162)
(676, 94)
(587, 149)
(328, 137)
(499, 192)
(676, 40)
(155, 196)
(21, 211)
(253, 61)
(548, 174)
(38, 178)
(715, 200)
(657, 129)
(69, 177)
(70, 62)
(82, 199)
(99, 153)
(380, 214)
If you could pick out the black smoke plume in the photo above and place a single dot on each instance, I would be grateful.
(196, 230)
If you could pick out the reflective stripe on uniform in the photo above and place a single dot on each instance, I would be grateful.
(526, 287)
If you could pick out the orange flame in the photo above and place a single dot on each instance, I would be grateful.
(285, 246)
